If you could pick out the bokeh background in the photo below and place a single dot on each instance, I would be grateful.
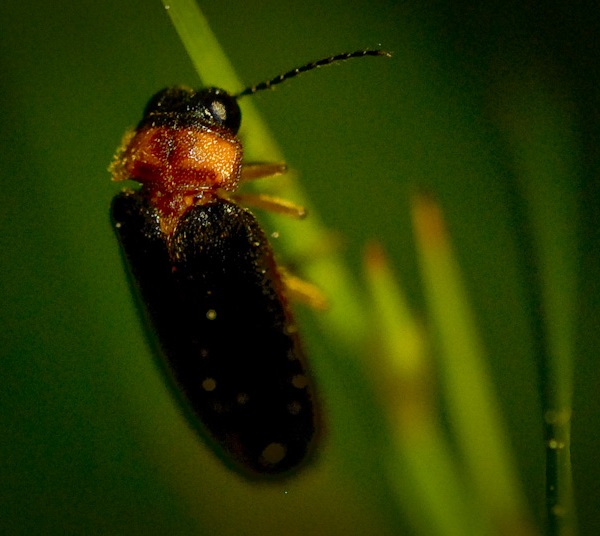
(91, 441)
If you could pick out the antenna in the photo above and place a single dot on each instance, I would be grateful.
(308, 67)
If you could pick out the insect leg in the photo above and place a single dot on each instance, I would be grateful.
(300, 290)
(259, 170)
(270, 203)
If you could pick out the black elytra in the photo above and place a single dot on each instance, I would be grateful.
(215, 300)
(211, 291)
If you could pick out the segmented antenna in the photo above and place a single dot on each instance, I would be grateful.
(309, 66)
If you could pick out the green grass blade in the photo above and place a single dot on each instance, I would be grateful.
(540, 135)
(202, 46)
(472, 407)
(421, 467)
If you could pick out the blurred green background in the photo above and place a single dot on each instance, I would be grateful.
(90, 440)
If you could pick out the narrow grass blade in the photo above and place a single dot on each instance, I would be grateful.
(421, 466)
(473, 412)
(541, 137)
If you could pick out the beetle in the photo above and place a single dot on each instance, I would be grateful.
(206, 274)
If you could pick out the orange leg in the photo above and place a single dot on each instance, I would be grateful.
(259, 170)
(270, 203)
(302, 291)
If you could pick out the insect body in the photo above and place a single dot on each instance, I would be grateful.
(207, 277)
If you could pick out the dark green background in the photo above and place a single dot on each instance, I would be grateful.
(90, 441)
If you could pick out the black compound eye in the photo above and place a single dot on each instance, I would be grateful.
(218, 107)
(218, 111)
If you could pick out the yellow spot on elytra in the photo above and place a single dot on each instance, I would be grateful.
(273, 453)
(209, 384)
(299, 381)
